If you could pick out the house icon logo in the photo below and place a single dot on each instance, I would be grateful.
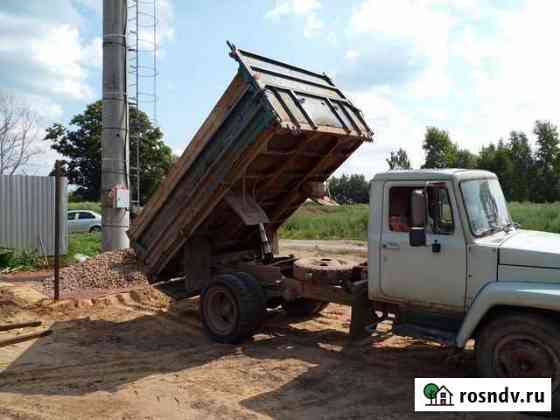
(438, 396)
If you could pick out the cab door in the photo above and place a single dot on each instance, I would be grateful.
(434, 274)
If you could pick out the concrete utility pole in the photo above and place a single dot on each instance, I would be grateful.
(114, 142)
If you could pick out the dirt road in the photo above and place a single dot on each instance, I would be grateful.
(339, 247)
(137, 355)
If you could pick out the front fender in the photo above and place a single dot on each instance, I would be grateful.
(520, 294)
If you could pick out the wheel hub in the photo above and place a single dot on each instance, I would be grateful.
(522, 356)
(221, 311)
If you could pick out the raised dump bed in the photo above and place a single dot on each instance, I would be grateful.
(274, 135)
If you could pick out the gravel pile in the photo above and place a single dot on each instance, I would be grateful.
(110, 270)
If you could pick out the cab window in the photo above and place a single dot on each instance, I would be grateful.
(440, 212)
(399, 208)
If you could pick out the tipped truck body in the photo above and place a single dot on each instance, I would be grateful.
(276, 130)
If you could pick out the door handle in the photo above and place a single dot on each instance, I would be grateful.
(391, 245)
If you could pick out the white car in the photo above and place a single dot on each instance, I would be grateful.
(84, 221)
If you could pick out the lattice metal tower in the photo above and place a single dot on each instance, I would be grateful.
(142, 41)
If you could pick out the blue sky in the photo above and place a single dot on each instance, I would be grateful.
(476, 68)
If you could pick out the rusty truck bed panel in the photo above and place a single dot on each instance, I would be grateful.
(275, 129)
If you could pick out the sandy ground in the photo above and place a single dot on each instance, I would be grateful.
(138, 355)
(353, 249)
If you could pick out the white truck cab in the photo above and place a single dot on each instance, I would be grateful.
(466, 221)
(446, 259)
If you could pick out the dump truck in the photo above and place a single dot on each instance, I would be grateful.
(445, 262)
(270, 143)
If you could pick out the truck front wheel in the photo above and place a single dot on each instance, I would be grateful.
(232, 308)
(519, 345)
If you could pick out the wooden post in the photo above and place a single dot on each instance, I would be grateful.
(20, 325)
(58, 208)
(22, 338)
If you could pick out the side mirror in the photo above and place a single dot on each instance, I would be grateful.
(417, 233)
(417, 236)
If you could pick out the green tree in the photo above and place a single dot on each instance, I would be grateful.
(440, 151)
(465, 159)
(349, 189)
(504, 169)
(497, 159)
(486, 157)
(523, 166)
(80, 143)
(547, 162)
(399, 160)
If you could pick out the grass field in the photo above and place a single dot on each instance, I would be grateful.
(346, 222)
(343, 222)
(86, 205)
(309, 222)
(88, 244)
(545, 217)
(321, 222)
(350, 222)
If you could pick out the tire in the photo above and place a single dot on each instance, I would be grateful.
(232, 308)
(249, 279)
(328, 271)
(95, 229)
(521, 345)
(303, 307)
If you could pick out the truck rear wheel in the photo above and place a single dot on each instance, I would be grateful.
(304, 307)
(521, 346)
(232, 308)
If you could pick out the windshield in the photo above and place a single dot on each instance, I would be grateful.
(486, 206)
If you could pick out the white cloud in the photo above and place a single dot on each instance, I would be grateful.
(293, 7)
(44, 107)
(43, 50)
(351, 55)
(94, 5)
(313, 26)
(43, 57)
(475, 68)
(417, 31)
(50, 59)
(332, 38)
(394, 128)
(166, 21)
(92, 53)
(42, 163)
(60, 54)
(512, 72)
(302, 9)
(163, 19)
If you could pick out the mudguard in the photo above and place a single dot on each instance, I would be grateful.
(520, 294)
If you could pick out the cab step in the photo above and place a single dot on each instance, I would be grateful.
(425, 333)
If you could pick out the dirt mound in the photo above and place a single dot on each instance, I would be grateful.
(16, 302)
(111, 270)
(20, 295)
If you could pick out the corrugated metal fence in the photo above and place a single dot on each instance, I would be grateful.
(27, 213)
